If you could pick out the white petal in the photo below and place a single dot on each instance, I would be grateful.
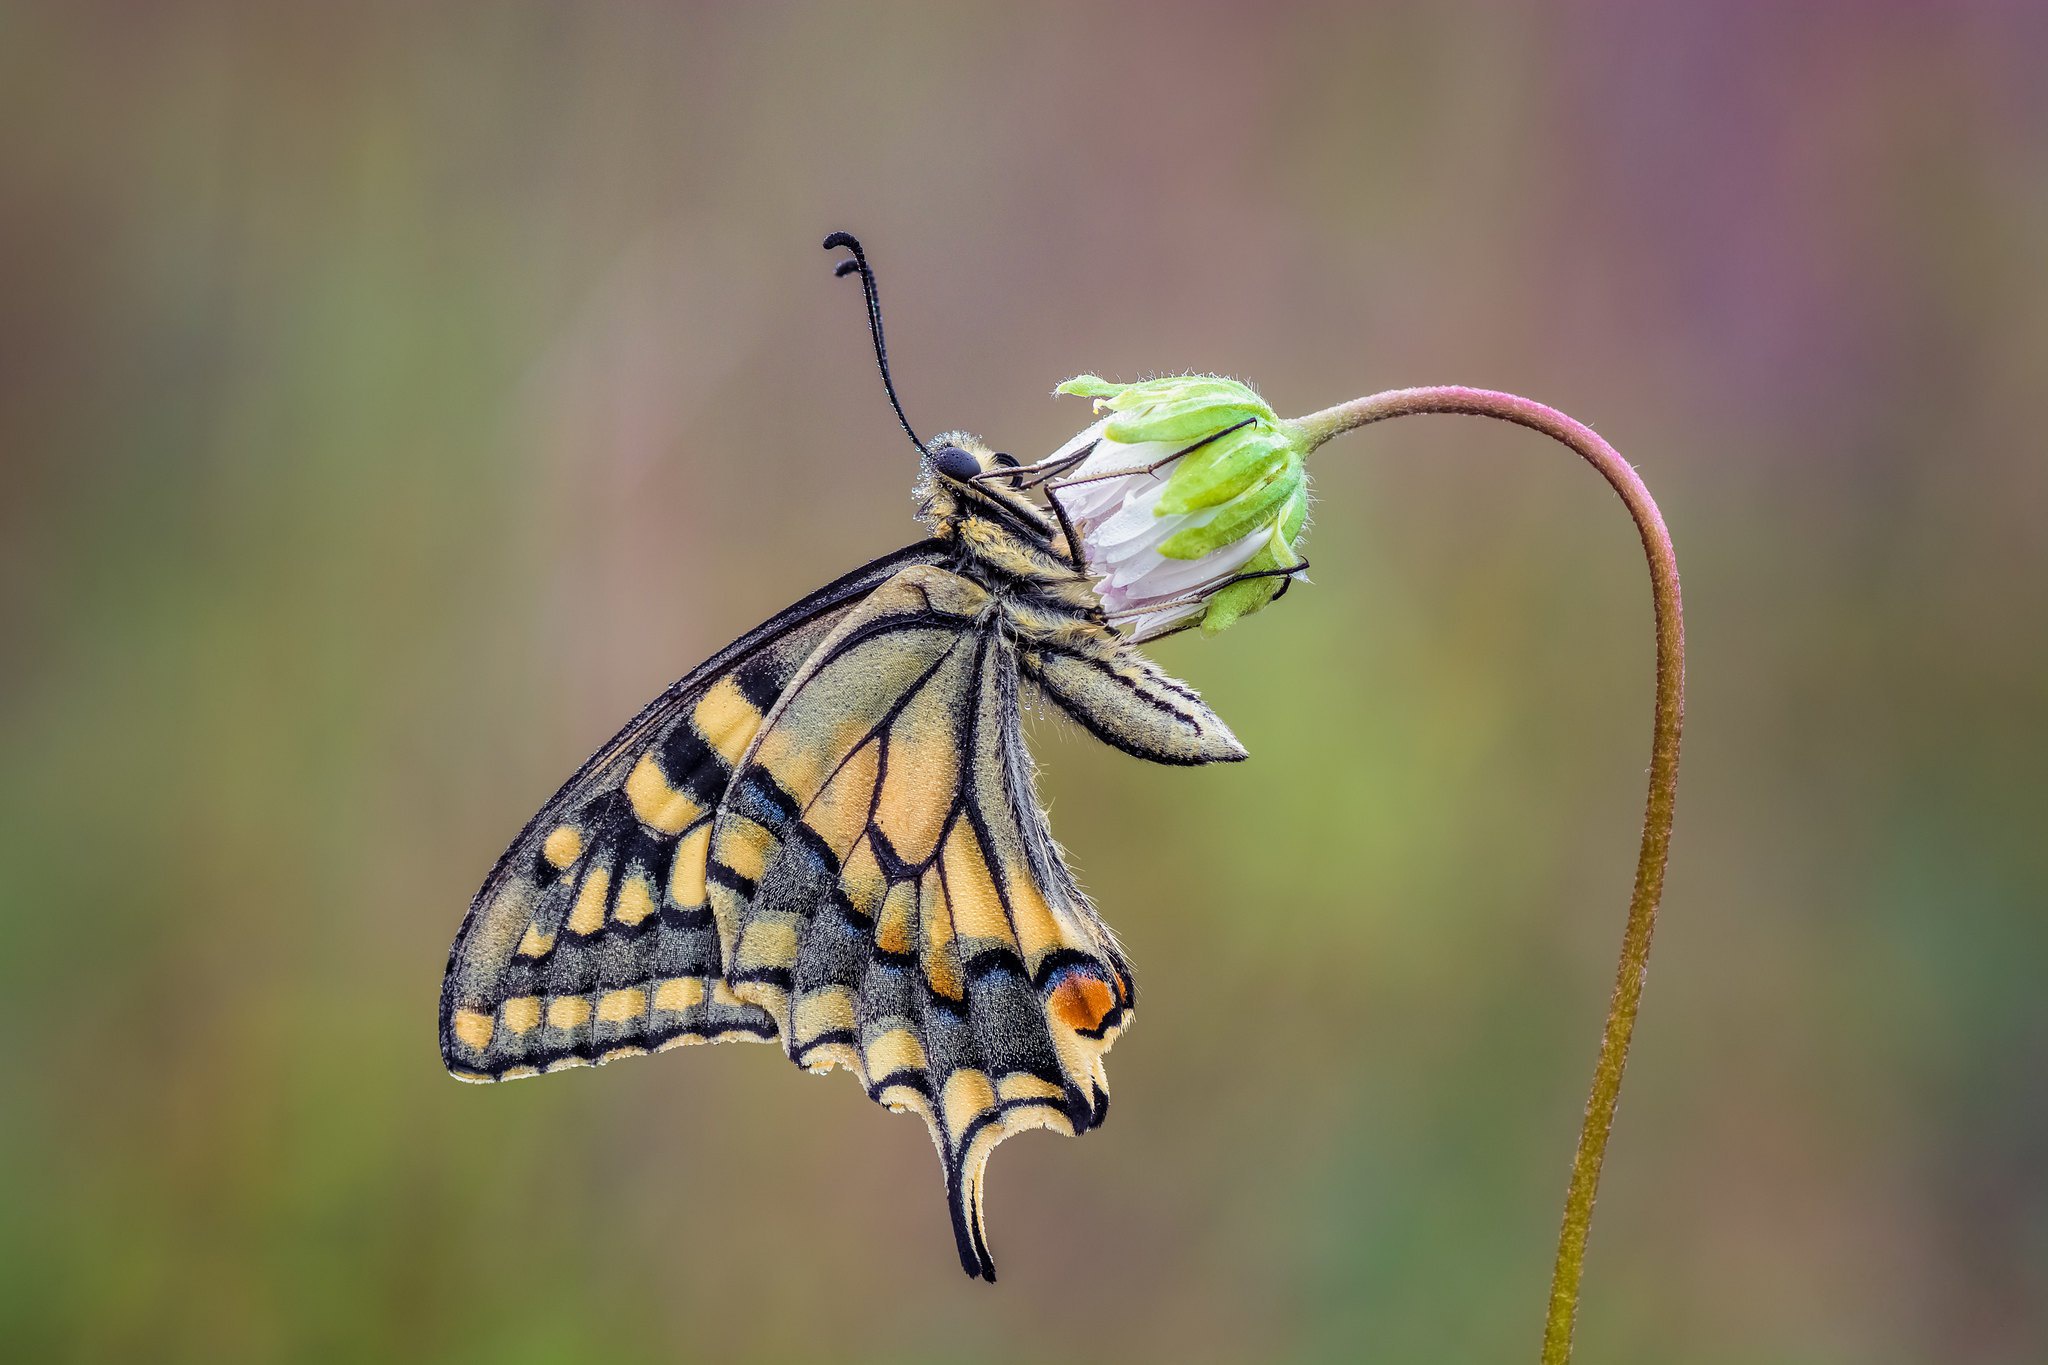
(1092, 494)
(1082, 439)
(1138, 516)
(1164, 579)
(1172, 577)
(1114, 457)
(1142, 551)
(1091, 501)
(1155, 622)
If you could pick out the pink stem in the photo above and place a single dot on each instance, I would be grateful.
(1669, 719)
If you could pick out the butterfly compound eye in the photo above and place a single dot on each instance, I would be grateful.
(956, 463)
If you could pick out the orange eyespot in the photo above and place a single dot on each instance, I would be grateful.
(1081, 1002)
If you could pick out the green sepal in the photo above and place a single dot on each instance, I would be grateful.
(1246, 596)
(1223, 469)
(1181, 418)
(1171, 408)
(1236, 518)
(1089, 386)
(1200, 388)
(1296, 516)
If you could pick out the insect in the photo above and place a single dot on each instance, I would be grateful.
(827, 835)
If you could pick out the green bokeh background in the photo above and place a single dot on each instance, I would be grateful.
(392, 399)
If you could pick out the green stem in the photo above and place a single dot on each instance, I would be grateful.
(1656, 846)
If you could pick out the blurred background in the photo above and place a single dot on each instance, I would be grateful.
(393, 399)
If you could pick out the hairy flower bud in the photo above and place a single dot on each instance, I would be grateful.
(1187, 500)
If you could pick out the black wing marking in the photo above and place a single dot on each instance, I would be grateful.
(591, 939)
(886, 890)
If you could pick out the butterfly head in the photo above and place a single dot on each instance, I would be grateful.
(956, 482)
(965, 461)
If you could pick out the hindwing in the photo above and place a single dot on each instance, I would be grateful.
(886, 891)
(591, 939)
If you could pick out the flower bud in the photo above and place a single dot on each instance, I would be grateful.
(1185, 485)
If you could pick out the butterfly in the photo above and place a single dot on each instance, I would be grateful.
(827, 836)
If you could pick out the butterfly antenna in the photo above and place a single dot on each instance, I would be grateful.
(867, 284)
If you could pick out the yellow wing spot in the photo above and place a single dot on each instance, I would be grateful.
(1022, 1085)
(737, 1035)
(823, 1059)
(535, 943)
(896, 927)
(862, 880)
(839, 814)
(941, 954)
(901, 1099)
(794, 757)
(588, 916)
(522, 1014)
(922, 776)
(1081, 1056)
(679, 993)
(513, 1073)
(971, 890)
(821, 1012)
(896, 1050)
(722, 994)
(727, 720)
(568, 1011)
(967, 1096)
(743, 846)
(658, 805)
(629, 1050)
(767, 943)
(636, 901)
(564, 846)
(616, 1007)
(1038, 933)
(473, 1028)
(686, 873)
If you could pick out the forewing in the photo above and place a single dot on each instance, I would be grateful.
(591, 938)
(887, 892)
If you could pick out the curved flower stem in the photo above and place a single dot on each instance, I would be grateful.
(1656, 846)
